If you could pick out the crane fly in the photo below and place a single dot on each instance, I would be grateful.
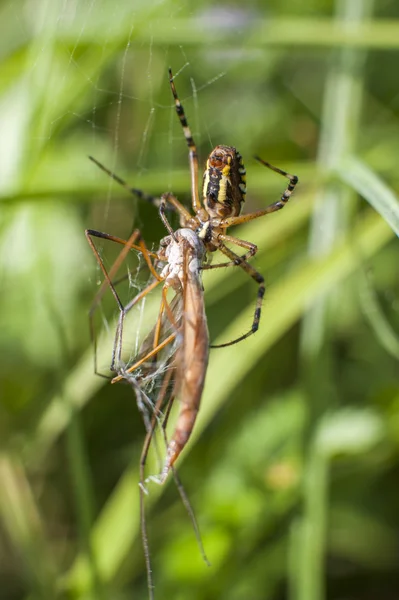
(181, 331)
(184, 252)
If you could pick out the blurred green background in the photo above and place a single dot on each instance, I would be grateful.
(293, 471)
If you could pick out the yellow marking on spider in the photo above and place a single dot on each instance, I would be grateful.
(206, 180)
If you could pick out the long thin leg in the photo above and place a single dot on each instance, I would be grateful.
(293, 180)
(128, 245)
(165, 307)
(150, 354)
(108, 277)
(233, 263)
(116, 364)
(158, 326)
(192, 149)
(172, 202)
(261, 292)
(191, 514)
(143, 461)
(179, 485)
(168, 309)
(186, 220)
(156, 346)
(135, 191)
(164, 219)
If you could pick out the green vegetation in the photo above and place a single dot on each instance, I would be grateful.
(292, 469)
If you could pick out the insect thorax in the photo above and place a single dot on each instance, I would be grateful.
(224, 182)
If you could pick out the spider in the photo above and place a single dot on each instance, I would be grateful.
(223, 194)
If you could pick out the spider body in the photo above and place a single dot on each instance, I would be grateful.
(224, 183)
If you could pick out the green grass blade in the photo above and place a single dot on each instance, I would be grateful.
(372, 188)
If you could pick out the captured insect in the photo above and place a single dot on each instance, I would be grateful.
(184, 253)
(176, 350)
(181, 330)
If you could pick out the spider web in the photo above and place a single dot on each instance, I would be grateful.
(90, 82)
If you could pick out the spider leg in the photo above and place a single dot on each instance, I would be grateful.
(293, 180)
(108, 283)
(171, 202)
(252, 250)
(256, 276)
(192, 149)
(135, 191)
(164, 218)
(143, 460)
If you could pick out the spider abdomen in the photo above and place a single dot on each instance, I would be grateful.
(224, 182)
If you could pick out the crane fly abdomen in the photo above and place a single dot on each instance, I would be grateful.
(185, 256)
